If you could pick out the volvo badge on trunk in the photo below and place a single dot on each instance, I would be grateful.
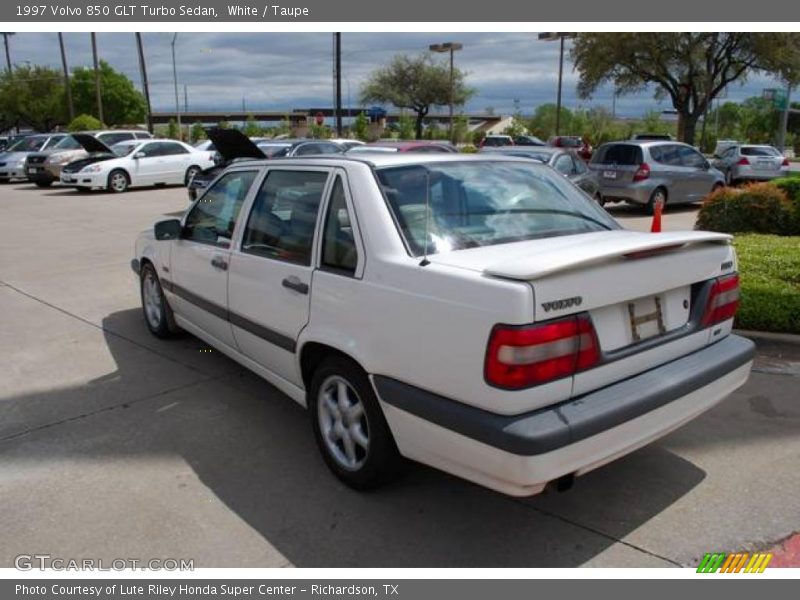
(561, 304)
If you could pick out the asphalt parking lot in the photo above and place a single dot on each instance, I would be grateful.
(114, 444)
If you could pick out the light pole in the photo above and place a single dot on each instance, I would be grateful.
(450, 47)
(6, 34)
(175, 82)
(550, 37)
(70, 105)
(98, 90)
(145, 84)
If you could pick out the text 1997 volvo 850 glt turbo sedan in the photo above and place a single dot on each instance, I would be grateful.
(478, 314)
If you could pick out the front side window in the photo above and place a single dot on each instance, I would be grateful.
(441, 207)
(284, 215)
(32, 143)
(338, 243)
(213, 217)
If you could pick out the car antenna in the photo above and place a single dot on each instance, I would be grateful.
(425, 262)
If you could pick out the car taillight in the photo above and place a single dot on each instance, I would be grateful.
(642, 173)
(723, 301)
(743, 162)
(785, 162)
(524, 356)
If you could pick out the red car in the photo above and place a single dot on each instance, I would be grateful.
(574, 142)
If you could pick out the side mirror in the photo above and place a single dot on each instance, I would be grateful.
(168, 230)
(706, 165)
(140, 155)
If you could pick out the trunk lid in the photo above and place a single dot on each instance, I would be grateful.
(643, 291)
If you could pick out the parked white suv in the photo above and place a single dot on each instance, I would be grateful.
(475, 313)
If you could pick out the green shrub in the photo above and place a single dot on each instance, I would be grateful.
(769, 271)
(757, 208)
(84, 123)
(791, 187)
(468, 149)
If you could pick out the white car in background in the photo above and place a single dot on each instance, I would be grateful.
(479, 314)
(136, 163)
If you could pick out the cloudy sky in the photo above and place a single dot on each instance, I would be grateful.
(278, 71)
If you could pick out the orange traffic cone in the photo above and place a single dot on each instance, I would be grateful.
(658, 207)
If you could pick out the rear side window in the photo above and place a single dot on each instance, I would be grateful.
(668, 154)
(338, 244)
(284, 216)
(619, 154)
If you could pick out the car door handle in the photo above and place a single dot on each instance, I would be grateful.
(219, 263)
(294, 283)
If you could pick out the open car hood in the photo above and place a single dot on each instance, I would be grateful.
(91, 144)
(232, 143)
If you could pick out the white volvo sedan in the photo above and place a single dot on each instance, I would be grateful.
(478, 314)
(134, 163)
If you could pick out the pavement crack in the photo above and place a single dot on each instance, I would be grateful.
(101, 328)
(596, 531)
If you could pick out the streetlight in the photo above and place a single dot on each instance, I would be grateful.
(450, 47)
(175, 82)
(551, 37)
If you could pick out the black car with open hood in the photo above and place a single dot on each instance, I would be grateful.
(231, 145)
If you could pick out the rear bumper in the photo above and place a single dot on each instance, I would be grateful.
(520, 454)
(752, 174)
(637, 193)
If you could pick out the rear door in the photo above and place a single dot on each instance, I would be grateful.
(270, 272)
(200, 259)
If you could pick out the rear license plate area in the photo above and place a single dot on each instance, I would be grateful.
(646, 318)
(609, 174)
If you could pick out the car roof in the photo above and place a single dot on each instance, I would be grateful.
(521, 150)
(646, 142)
(380, 160)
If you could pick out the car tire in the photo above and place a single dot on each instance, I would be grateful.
(190, 173)
(118, 181)
(349, 426)
(650, 207)
(4, 180)
(43, 184)
(156, 310)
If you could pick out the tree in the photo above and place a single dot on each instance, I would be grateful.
(84, 123)
(197, 132)
(33, 96)
(517, 127)
(251, 127)
(405, 130)
(416, 83)
(122, 102)
(361, 127)
(543, 122)
(690, 68)
(172, 130)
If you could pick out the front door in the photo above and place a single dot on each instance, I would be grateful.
(146, 164)
(200, 259)
(270, 273)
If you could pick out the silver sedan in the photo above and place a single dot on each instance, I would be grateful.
(750, 162)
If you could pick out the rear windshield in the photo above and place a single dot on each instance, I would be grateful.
(31, 143)
(618, 154)
(68, 143)
(274, 150)
(759, 151)
(441, 207)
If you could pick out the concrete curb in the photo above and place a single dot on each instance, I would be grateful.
(767, 336)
